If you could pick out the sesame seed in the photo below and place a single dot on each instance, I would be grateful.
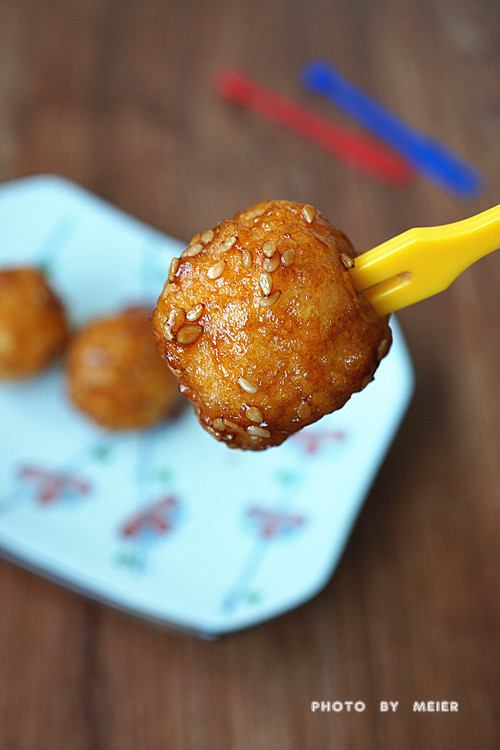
(271, 264)
(252, 214)
(218, 424)
(192, 251)
(304, 409)
(175, 372)
(175, 320)
(269, 301)
(248, 385)
(383, 348)
(254, 414)
(207, 236)
(309, 212)
(194, 240)
(246, 258)
(216, 270)
(176, 312)
(266, 283)
(195, 313)
(174, 265)
(269, 248)
(288, 256)
(189, 334)
(256, 431)
(228, 243)
(347, 261)
(232, 425)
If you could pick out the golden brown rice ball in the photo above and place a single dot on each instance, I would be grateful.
(115, 374)
(261, 324)
(33, 327)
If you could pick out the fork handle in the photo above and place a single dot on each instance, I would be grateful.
(424, 261)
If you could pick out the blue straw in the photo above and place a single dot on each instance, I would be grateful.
(425, 154)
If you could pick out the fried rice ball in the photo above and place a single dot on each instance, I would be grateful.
(115, 374)
(33, 326)
(262, 326)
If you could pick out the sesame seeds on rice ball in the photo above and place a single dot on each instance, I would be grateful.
(262, 326)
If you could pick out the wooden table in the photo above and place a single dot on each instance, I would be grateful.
(117, 96)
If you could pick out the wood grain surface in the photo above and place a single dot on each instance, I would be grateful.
(116, 95)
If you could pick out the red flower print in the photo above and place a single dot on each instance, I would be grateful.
(54, 486)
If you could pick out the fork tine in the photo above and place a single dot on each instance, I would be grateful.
(384, 261)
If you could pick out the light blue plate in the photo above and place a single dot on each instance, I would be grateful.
(167, 523)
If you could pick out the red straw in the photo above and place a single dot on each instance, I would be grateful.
(353, 148)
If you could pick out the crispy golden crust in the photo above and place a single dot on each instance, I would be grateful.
(261, 324)
(115, 375)
(33, 326)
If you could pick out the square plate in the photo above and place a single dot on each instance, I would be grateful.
(167, 523)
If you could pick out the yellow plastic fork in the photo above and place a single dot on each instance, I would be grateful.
(423, 261)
